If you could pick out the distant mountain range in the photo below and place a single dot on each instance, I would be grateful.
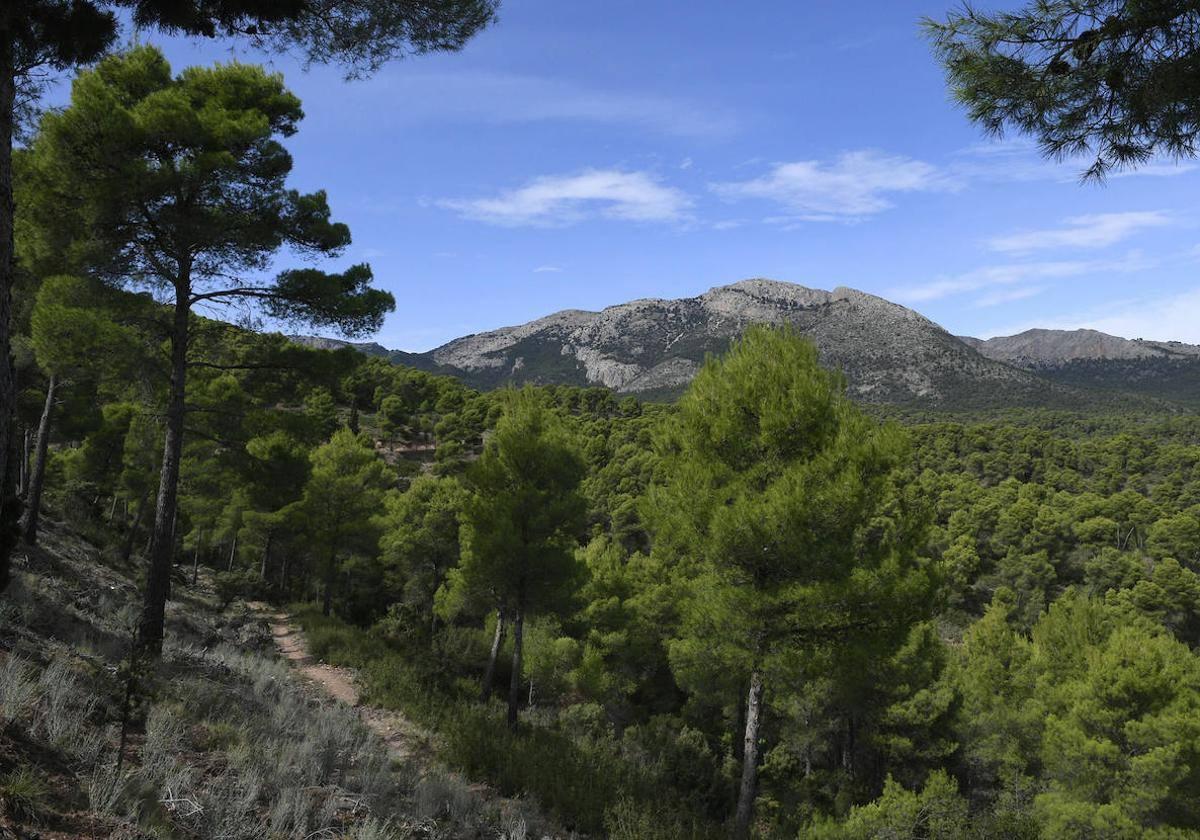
(890, 354)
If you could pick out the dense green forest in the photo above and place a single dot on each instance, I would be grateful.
(760, 610)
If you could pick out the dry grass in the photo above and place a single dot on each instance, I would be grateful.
(225, 742)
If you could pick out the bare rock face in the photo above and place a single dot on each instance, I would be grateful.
(654, 347)
(1168, 370)
(316, 342)
(1037, 348)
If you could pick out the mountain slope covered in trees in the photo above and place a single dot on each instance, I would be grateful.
(757, 611)
(1090, 359)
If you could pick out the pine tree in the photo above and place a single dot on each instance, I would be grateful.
(71, 336)
(180, 187)
(63, 34)
(1110, 78)
(340, 502)
(419, 545)
(522, 520)
(784, 497)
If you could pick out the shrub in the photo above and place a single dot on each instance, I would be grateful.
(64, 704)
(17, 688)
(105, 788)
(23, 794)
(628, 819)
(373, 829)
(441, 795)
(230, 586)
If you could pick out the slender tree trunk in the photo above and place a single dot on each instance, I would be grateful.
(330, 577)
(131, 538)
(514, 685)
(158, 578)
(848, 746)
(196, 562)
(266, 557)
(112, 511)
(9, 506)
(749, 786)
(232, 552)
(739, 727)
(37, 478)
(23, 463)
(489, 674)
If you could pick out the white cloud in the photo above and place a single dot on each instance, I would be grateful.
(853, 186)
(686, 163)
(1018, 159)
(1015, 274)
(511, 98)
(558, 200)
(1097, 230)
(547, 269)
(1008, 296)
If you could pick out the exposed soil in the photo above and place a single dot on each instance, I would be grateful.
(403, 737)
(406, 741)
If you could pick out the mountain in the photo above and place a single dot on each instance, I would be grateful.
(369, 348)
(652, 348)
(1092, 359)
(1049, 349)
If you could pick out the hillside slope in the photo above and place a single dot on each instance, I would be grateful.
(223, 740)
(653, 347)
(1092, 359)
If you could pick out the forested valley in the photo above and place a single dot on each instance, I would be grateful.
(764, 610)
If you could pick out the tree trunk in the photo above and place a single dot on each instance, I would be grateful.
(514, 684)
(196, 562)
(848, 746)
(9, 506)
(739, 726)
(158, 578)
(127, 549)
(23, 462)
(37, 477)
(489, 674)
(266, 557)
(232, 552)
(330, 576)
(749, 786)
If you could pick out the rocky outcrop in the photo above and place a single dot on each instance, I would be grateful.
(1039, 348)
(654, 347)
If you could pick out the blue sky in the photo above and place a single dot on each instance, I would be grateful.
(578, 155)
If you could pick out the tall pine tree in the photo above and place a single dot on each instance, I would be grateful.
(180, 187)
(783, 496)
(62, 34)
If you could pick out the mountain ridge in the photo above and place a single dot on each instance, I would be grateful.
(652, 347)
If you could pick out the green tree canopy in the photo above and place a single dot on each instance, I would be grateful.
(1118, 80)
(340, 502)
(523, 518)
(787, 496)
(178, 184)
(61, 34)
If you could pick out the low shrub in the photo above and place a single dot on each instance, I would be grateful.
(23, 794)
(18, 688)
(578, 778)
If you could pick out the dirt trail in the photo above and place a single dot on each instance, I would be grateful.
(403, 737)
(406, 741)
